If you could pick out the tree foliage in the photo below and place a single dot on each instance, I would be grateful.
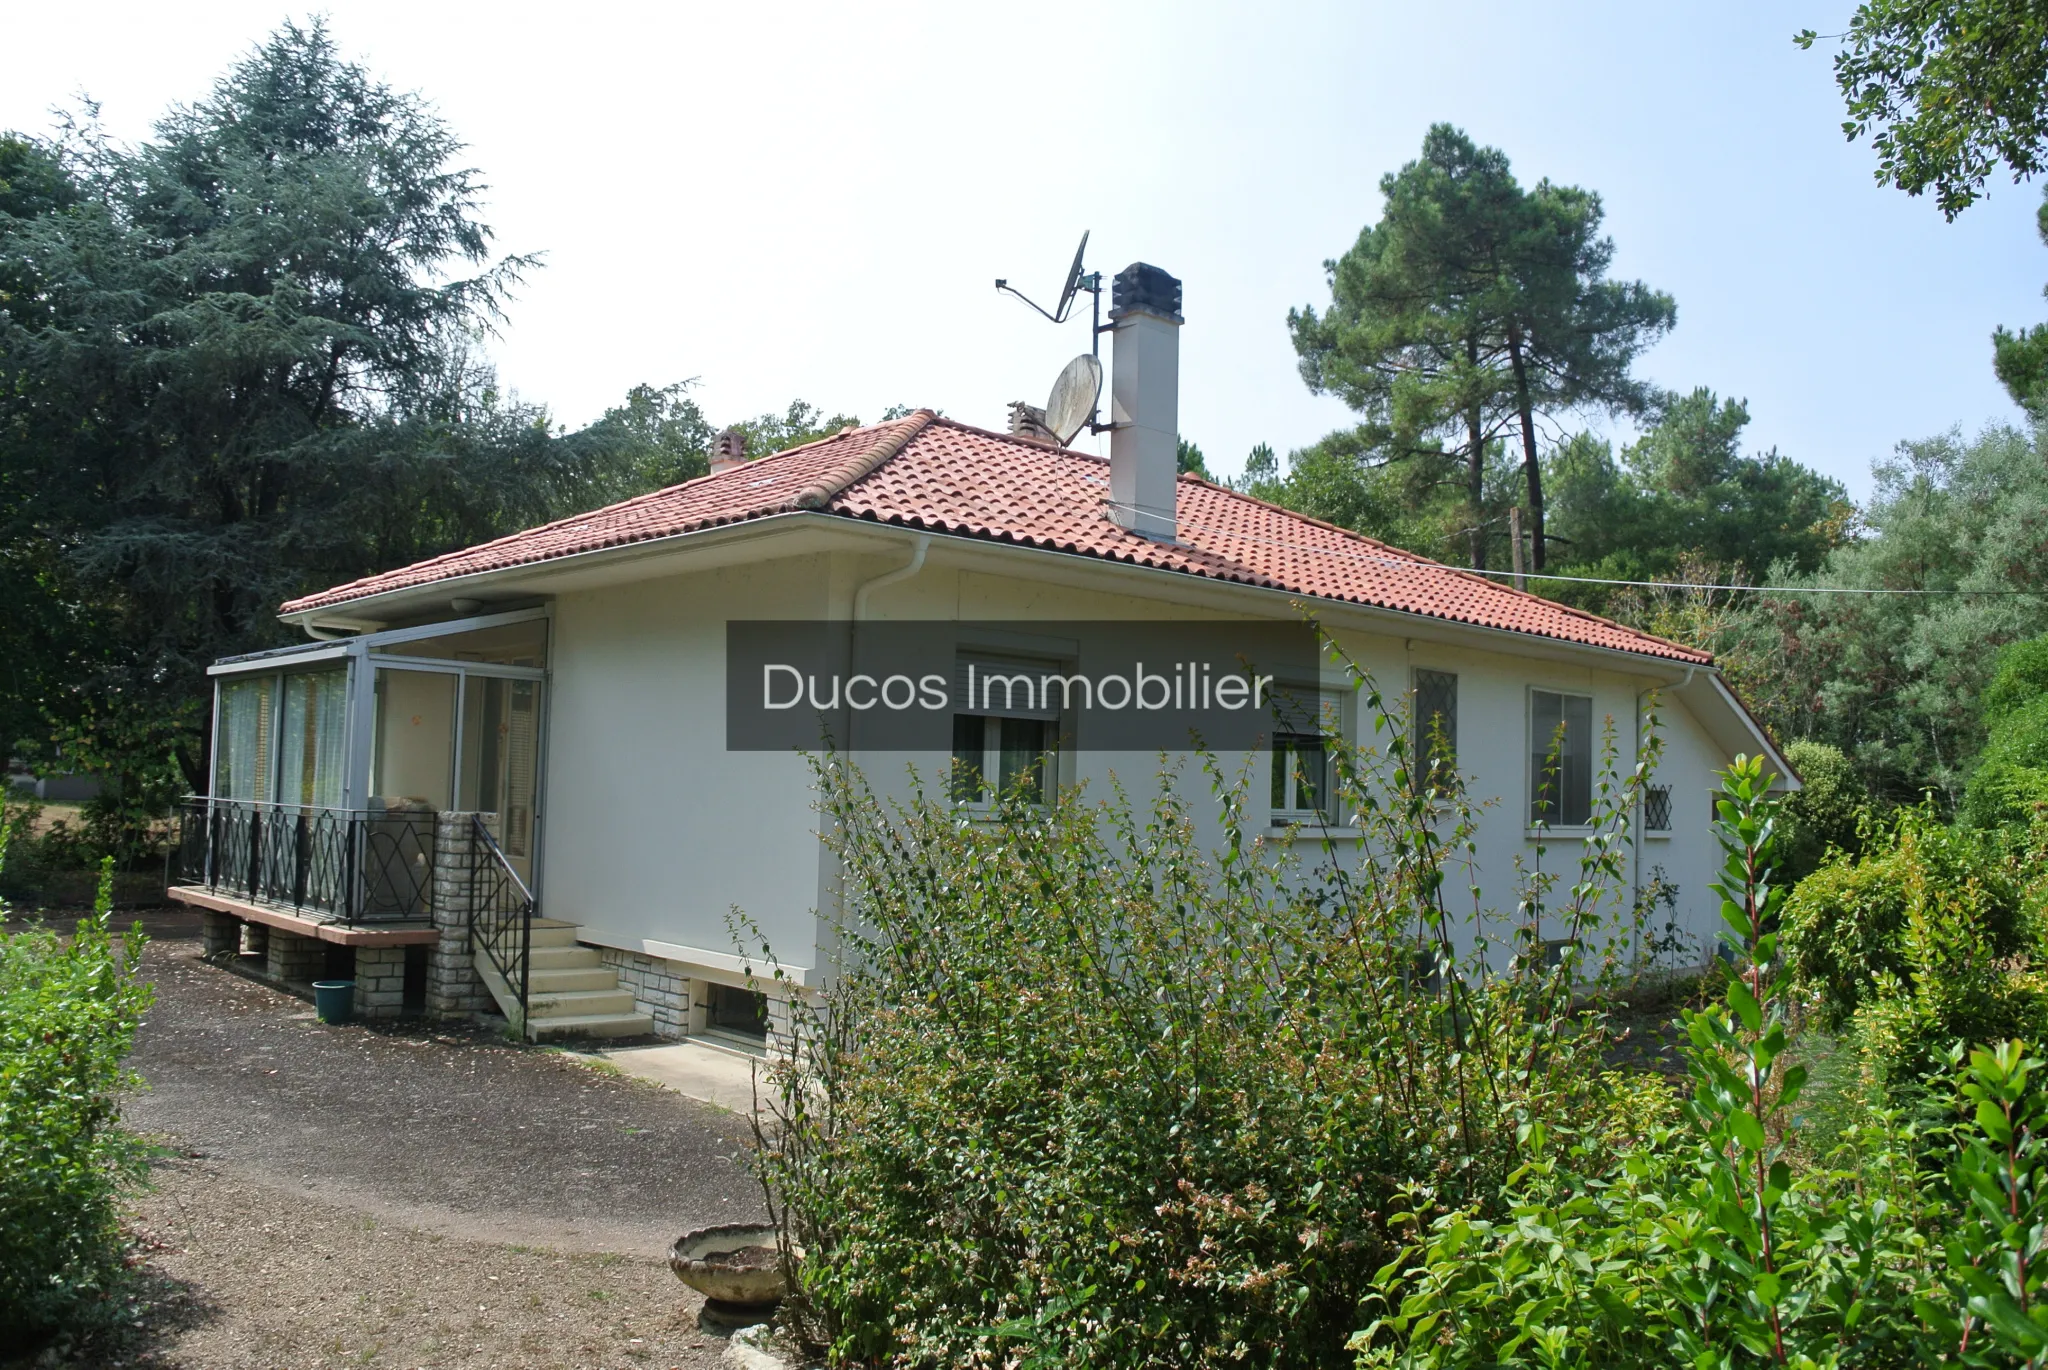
(236, 361)
(1685, 487)
(1946, 91)
(1897, 682)
(1474, 311)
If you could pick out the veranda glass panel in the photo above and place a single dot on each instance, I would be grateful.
(413, 760)
(315, 717)
(242, 751)
(500, 761)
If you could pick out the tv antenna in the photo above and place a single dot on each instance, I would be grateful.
(1075, 393)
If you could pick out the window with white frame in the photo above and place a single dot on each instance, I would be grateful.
(1301, 775)
(1560, 759)
(1005, 729)
(1435, 718)
(1301, 778)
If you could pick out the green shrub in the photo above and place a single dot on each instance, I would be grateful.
(1926, 902)
(1713, 1243)
(2010, 783)
(2021, 680)
(1825, 812)
(1082, 1093)
(68, 1015)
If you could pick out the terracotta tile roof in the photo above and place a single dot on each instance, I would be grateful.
(935, 474)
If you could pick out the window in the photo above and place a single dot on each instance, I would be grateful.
(1301, 776)
(991, 756)
(1657, 809)
(1560, 759)
(1303, 718)
(1436, 726)
(737, 1010)
(242, 759)
(1007, 728)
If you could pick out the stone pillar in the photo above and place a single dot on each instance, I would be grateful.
(220, 934)
(295, 958)
(380, 982)
(453, 987)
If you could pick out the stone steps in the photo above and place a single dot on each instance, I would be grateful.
(570, 991)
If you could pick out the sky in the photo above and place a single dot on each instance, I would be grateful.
(814, 200)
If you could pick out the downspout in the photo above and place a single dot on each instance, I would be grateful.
(903, 572)
(861, 595)
(1636, 818)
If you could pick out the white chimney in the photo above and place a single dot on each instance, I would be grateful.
(728, 449)
(1144, 400)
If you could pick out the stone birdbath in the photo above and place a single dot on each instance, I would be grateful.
(736, 1267)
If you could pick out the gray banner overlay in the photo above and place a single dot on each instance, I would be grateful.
(1117, 685)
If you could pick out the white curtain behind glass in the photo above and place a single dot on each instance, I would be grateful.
(242, 769)
(314, 717)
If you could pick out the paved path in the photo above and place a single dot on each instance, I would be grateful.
(454, 1134)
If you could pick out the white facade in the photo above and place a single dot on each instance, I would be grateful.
(654, 835)
(633, 821)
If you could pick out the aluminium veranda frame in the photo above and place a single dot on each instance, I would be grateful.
(362, 656)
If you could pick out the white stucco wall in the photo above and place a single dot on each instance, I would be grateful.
(652, 831)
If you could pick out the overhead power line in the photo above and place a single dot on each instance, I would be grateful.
(1426, 565)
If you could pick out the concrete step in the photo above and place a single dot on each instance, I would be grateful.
(592, 1025)
(577, 1003)
(553, 932)
(566, 958)
(561, 980)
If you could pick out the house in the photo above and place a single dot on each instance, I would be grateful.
(509, 774)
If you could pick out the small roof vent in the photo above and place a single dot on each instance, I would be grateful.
(1028, 421)
(728, 450)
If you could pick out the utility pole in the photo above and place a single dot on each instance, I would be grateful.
(1515, 543)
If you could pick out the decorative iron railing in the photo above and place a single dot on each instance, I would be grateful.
(501, 911)
(340, 865)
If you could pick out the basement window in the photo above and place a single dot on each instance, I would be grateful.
(732, 1009)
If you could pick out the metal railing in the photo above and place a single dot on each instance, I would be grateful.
(501, 911)
(340, 865)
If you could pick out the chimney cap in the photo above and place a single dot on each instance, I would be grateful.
(1143, 286)
(728, 449)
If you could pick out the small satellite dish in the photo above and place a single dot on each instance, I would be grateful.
(1072, 402)
(1073, 284)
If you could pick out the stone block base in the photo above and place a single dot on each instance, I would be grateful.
(660, 989)
(295, 958)
(220, 934)
(380, 982)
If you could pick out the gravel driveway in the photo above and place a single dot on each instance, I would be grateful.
(404, 1196)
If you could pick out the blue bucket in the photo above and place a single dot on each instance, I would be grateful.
(334, 1000)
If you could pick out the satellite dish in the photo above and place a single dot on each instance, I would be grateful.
(1072, 402)
(1073, 284)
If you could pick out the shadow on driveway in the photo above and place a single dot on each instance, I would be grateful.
(454, 1133)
